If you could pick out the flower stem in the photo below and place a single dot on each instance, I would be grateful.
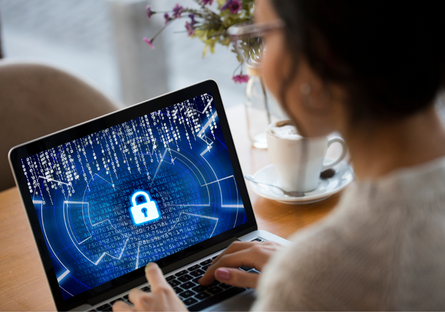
(160, 30)
(206, 9)
(240, 64)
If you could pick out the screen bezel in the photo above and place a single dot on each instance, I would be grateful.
(36, 146)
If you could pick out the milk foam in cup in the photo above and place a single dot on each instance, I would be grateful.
(298, 161)
(284, 130)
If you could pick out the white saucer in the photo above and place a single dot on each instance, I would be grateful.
(326, 187)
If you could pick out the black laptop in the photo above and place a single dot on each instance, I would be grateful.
(159, 181)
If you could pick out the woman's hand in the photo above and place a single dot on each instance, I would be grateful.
(249, 254)
(161, 298)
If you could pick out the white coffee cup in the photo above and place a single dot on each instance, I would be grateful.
(299, 161)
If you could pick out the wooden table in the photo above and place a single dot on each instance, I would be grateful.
(23, 285)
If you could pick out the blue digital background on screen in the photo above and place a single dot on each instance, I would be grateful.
(83, 191)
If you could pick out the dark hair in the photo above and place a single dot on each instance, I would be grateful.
(388, 55)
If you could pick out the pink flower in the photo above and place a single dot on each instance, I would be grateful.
(235, 6)
(240, 78)
(149, 11)
(225, 6)
(177, 11)
(190, 29)
(167, 18)
(192, 17)
(149, 42)
(209, 2)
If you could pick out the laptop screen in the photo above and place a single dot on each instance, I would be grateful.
(112, 201)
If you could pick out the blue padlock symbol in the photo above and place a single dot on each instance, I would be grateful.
(147, 211)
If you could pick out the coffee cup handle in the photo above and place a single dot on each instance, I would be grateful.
(343, 152)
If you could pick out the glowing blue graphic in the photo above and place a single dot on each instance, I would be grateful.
(144, 212)
(82, 193)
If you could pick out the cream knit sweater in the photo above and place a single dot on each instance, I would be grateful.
(382, 248)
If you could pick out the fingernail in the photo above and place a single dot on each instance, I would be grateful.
(146, 267)
(222, 274)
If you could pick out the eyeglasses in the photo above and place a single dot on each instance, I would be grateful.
(248, 40)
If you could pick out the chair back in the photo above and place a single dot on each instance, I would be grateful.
(38, 99)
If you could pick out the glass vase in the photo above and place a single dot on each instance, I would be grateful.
(261, 108)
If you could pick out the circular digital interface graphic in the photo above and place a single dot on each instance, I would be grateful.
(137, 192)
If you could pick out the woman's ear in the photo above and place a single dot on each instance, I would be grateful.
(317, 99)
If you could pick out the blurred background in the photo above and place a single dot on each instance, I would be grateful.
(101, 41)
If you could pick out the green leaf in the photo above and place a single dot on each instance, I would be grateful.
(225, 41)
(212, 25)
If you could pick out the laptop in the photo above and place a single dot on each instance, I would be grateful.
(159, 181)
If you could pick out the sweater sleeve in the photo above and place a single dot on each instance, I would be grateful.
(321, 270)
(294, 279)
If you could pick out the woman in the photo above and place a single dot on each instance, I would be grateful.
(371, 71)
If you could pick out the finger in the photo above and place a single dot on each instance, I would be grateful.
(141, 300)
(238, 246)
(234, 247)
(155, 277)
(237, 277)
(135, 294)
(119, 306)
(251, 257)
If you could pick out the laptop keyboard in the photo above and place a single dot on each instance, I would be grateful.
(193, 295)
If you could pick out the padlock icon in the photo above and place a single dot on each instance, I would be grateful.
(144, 212)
